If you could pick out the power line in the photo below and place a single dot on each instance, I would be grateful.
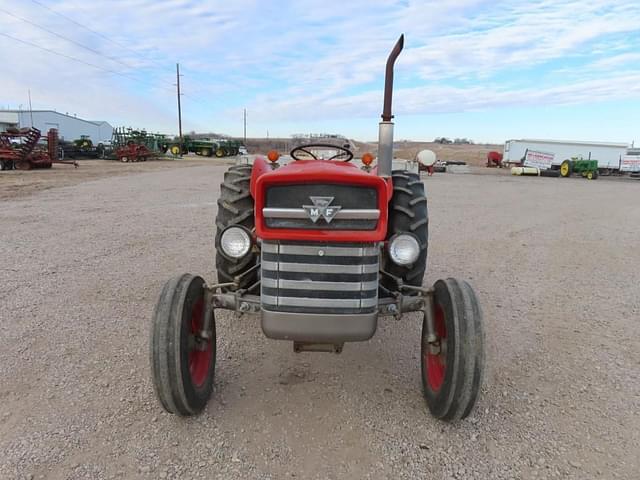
(34, 45)
(65, 38)
(101, 35)
(89, 64)
(84, 26)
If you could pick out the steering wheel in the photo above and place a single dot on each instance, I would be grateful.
(342, 151)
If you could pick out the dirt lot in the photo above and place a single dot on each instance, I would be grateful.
(555, 263)
(19, 184)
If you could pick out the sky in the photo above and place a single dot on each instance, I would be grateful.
(484, 70)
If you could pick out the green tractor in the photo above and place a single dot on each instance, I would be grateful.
(206, 147)
(227, 148)
(586, 168)
(83, 143)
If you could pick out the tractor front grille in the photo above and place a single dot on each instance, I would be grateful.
(319, 277)
(356, 206)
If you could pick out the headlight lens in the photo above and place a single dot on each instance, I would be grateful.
(235, 242)
(404, 249)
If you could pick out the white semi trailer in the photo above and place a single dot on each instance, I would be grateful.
(609, 155)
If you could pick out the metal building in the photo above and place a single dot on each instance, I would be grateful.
(69, 127)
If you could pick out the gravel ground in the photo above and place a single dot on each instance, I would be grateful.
(556, 265)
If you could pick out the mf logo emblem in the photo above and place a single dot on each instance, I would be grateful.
(321, 208)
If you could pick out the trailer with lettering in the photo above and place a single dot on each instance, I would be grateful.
(549, 154)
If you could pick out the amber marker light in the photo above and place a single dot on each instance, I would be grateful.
(273, 156)
(367, 159)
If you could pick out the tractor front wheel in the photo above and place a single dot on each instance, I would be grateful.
(452, 366)
(183, 355)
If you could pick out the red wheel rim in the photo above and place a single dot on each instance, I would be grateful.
(199, 358)
(436, 363)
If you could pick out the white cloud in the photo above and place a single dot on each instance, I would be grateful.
(292, 59)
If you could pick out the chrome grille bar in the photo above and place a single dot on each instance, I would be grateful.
(319, 302)
(319, 277)
(328, 250)
(317, 285)
(321, 268)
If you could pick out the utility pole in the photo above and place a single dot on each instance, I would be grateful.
(30, 108)
(179, 107)
(245, 127)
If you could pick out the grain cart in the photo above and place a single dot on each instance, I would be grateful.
(319, 250)
(586, 168)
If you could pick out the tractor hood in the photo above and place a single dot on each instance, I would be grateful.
(302, 197)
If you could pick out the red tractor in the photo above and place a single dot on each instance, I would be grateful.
(320, 249)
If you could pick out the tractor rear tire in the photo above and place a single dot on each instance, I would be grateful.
(182, 361)
(453, 368)
(408, 213)
(219, 152)
(566, 168)
(235, 207)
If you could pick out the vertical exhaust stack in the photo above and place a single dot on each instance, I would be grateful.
(385, 134)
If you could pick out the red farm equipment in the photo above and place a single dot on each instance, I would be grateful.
(494, 159)
(133, 152)
(20, 149)
(318, 249)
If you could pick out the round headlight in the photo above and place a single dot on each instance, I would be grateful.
(235, 242)
(404, 249)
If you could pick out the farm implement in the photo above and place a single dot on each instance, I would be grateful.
(20, 149)
(320, 249)
(494, 159)
(129, 145)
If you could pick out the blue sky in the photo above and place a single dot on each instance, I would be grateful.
(486, 70)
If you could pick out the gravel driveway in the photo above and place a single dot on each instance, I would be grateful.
(556, 263)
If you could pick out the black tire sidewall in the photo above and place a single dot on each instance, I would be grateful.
(169, 347)
(465, 351)
(439, 401)
(197, 397)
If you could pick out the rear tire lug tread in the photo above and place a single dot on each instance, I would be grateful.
(406, 211)
(408, 191)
